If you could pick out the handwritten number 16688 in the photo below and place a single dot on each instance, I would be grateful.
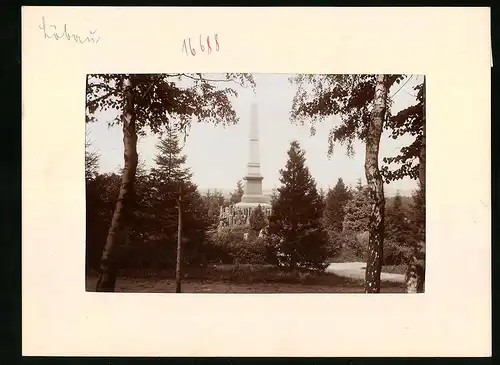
(206, 45)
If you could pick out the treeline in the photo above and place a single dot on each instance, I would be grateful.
(307, 228)
(346, 218)
(149, 239)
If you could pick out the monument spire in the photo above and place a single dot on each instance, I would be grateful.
(253, 166)
(252, 194)
(253, 179)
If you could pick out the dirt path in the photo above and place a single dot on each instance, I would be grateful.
(356, 270)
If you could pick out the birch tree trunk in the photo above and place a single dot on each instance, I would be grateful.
(376, 188)
(415, 274)
(108, 272)
(179, 246)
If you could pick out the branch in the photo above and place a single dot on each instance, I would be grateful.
(147, 91)
(92, 102)
(106, 86)
(391, 96)
(200, 78)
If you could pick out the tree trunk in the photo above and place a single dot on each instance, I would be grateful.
(107, 276)
(415, 273)
(376, 188)
(179, 246)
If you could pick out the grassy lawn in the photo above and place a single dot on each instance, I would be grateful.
(240, 279)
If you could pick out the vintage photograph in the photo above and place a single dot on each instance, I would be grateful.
(255, 183)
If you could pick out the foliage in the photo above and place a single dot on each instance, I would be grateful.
(101, 195)
(152, 234)
(213, 200)
(322, 194)
(357, 212)
(296, 214)
(334, 244)
(417, 214)
(397, 223)
(400, 235)
(91, 160)
(167, 100)
(351, 97)
(169, 160)
(408, 121)
(336, 200)
(359, 184)
(237, 194)
(258, 219)
(405, 230)
(228, 246)
(171, 181)
(396, 253)
(348, 96)
(274, 195)
(333, 216)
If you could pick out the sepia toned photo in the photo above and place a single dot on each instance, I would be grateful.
(255, 183)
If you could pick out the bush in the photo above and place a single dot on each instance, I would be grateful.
(354, 246)
(257, 219)
(308, 250)
(229, 245)
(395, 253)
(335, 242)
(315, 250)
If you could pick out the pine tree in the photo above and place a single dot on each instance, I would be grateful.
(336, 200)
(297, 212)
(333, 216)
(257, 219)
(357, 212)
(170, 179)
(169, 160)
(398, 234)
(237, 194)
(397, 223)
(322, 194)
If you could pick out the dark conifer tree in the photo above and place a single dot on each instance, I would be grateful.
(297, 214)
(397, 222)
(257, 219)
(170, 178)
(336, 200)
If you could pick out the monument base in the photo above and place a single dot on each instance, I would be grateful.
(255, 199)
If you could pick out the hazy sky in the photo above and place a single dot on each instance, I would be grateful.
(218, 155)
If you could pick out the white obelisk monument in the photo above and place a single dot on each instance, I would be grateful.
(252, 195)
